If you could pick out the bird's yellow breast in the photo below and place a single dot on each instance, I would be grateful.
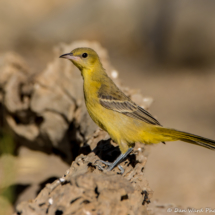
(124, 130)
(121, 128)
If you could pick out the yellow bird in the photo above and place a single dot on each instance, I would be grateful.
(114, 112)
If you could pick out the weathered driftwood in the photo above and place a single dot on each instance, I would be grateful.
(46, 111)
(84, 189)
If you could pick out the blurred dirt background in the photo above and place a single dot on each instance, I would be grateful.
(164, 48)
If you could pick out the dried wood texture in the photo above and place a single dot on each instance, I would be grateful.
(87, 190)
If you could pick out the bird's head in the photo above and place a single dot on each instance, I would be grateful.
(83, 58)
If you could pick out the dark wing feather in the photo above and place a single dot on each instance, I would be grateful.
(121, 103)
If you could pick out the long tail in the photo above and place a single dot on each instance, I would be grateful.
(187, 137)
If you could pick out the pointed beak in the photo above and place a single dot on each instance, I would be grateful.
(69, 56)
(65, 55)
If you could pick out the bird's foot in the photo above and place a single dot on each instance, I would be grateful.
(110, 166)
(116, 162)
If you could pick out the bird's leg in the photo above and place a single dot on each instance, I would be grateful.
(109, 164)
(117, 161)
(120, 159)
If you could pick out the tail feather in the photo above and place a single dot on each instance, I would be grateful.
(187, 137)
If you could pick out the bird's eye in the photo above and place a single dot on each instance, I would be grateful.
(84, 55)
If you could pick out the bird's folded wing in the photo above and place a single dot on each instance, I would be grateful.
(125, 106)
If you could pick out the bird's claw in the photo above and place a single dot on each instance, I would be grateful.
(110, 166)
